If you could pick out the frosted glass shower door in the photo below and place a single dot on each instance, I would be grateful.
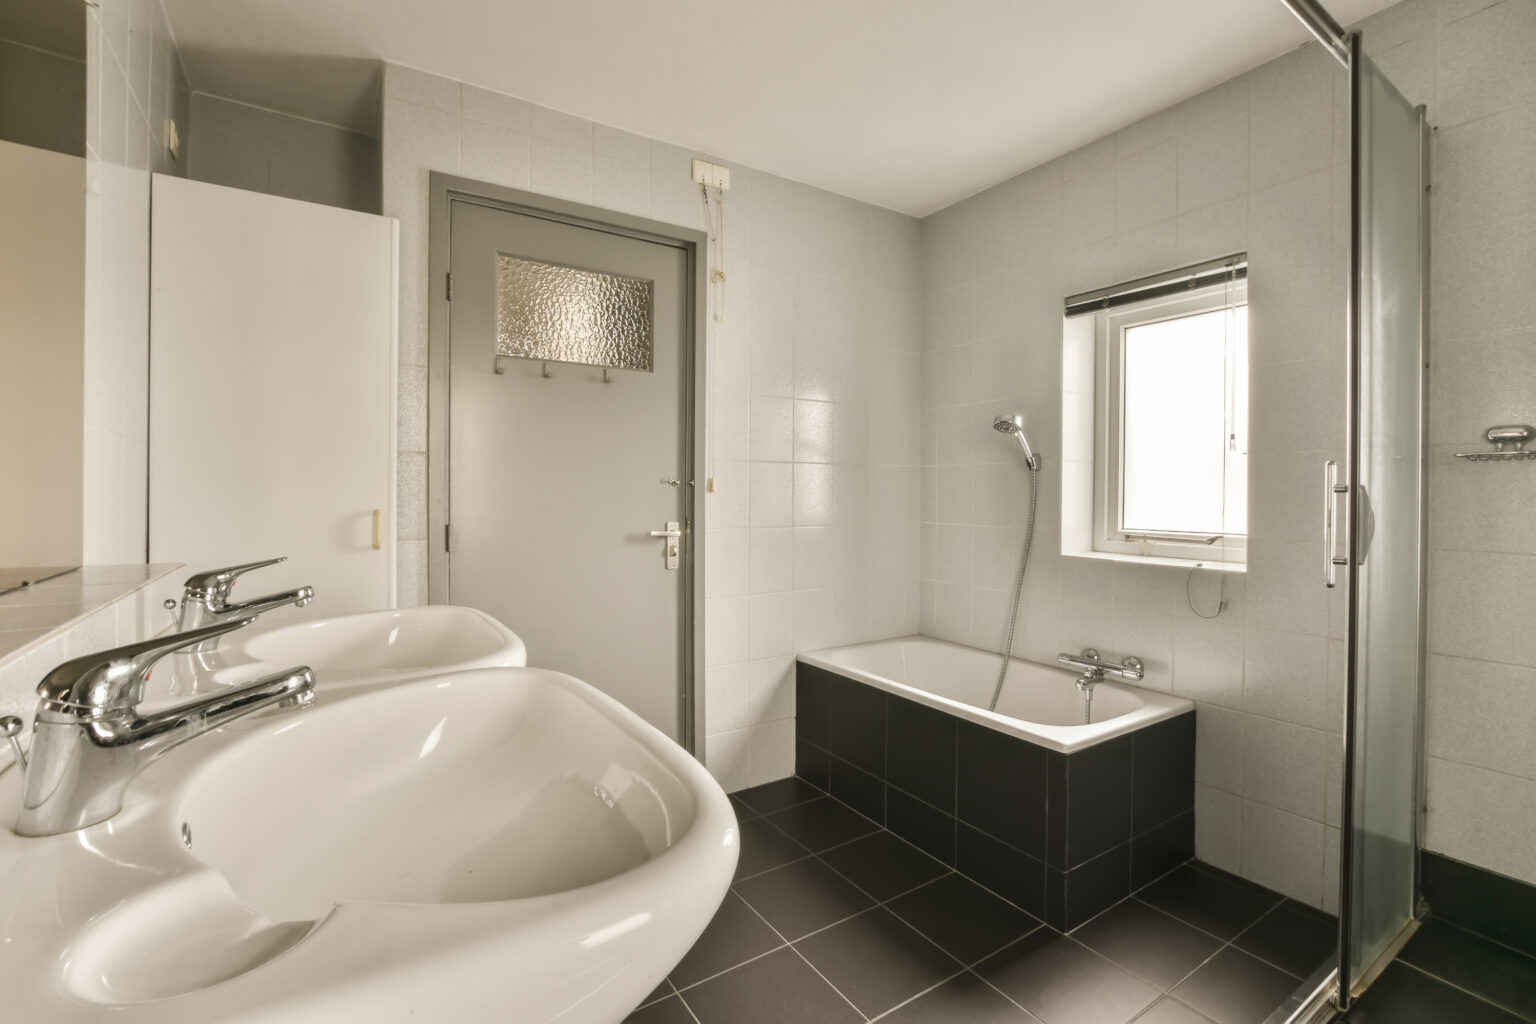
(1386, 523)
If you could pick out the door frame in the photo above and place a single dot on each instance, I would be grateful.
(443, 191)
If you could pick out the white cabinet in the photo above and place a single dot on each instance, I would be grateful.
(272, 392)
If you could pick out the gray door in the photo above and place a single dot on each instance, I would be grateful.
(559, 471)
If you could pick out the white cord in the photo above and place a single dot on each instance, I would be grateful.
(1221, 601)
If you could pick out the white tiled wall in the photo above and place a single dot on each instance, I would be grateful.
(1260, 163)
(134, 82)
(813, 425)
(1471, 63)
(1253, 164)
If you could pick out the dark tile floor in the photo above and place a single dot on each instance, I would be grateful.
(832, 918)
(1448, 974)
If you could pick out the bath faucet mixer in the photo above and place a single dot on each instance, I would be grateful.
(205, 600)
(89, 739)
(1094, 669)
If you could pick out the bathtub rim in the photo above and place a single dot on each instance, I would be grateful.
(1157, 706)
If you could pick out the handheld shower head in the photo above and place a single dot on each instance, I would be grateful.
(1015, 425)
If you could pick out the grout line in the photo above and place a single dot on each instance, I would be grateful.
(1502, 945)
(862, 1015)
(1465, 991)
(913, 998)
(728, 970)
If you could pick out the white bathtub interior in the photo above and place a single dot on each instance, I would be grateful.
(1039, 703)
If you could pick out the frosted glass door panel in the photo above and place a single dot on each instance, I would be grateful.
(1386, 650)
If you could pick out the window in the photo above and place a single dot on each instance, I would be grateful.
(1168, 456)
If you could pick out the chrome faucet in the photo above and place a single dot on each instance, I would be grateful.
(1094, 668)
(205, 599)
(89, 740)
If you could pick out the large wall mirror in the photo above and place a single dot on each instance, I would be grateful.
(42, 283)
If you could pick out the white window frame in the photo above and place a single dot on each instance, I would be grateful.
(1109, 534)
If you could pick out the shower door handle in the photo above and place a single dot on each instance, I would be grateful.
(1331, 491)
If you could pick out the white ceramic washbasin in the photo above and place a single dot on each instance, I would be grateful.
(497, 844)
(348, 650)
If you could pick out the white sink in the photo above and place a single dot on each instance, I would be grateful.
(348, 650)
(495, 844)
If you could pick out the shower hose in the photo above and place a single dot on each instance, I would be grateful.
(1018, 585)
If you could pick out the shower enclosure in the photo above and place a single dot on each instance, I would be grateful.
(1374, 521)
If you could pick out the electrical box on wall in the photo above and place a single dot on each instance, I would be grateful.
(712, 175)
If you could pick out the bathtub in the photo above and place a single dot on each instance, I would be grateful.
(1039, 703)
(1061, 817)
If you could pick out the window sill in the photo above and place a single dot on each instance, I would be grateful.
(1211, 564)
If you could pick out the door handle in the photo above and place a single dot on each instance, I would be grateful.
(378, 514)
(673, 535)
(1331, 491)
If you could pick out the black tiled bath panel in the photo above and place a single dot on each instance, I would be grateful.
(1002, 787)
(1063, 835)
(920, 752)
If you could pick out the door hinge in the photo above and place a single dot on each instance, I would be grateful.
(448, 287)
(447, 537)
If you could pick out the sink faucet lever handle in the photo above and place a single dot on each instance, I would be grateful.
(114, 679)
(219, 582)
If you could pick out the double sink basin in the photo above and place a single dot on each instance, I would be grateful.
(445, 835)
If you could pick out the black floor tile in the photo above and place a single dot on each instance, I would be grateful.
(743, 812)
(1235, 988)
(884, 865)
(1063, 982)
(764, 847)
(965, 998)
(1210, 903)
(1293, 937)
(735, 935)
(1404, 995)
(669, 1011)
(1147, 942)
(659, 992)
(1169, 1010)
(774, 989)
(775, 796)
(925, 827)
(1483, 967)
(962, 917)
(823, 823)
(876, 961)
(802, 897)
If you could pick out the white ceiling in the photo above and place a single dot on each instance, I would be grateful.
(910, 104)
